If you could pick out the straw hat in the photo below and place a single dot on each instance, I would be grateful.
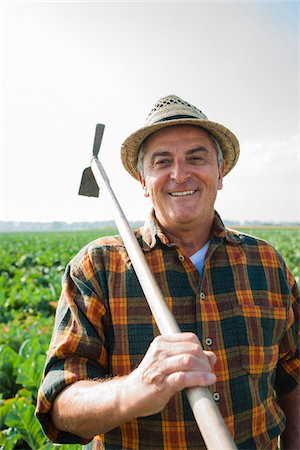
(172, 110)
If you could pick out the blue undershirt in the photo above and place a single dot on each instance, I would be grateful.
(199, 257)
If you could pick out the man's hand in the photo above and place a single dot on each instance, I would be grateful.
(171, 364)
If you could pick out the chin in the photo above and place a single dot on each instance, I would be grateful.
(183, 218)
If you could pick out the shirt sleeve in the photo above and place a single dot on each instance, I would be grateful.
(288, 368)
(77, 349)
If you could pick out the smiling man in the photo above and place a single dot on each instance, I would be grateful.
(181, 175)
(110, 380)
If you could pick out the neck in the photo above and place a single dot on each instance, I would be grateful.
(189, 238)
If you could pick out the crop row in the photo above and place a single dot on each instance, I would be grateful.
(31, 268)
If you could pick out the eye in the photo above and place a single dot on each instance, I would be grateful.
(161, 162)
(196, 159)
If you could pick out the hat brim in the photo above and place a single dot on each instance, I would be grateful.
(228, 142)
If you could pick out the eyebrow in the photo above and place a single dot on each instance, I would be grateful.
(158, 154)
(164, 153)
(200, 149)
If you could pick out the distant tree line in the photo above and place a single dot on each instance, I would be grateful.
(14, 226)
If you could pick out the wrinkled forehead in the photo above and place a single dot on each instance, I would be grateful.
(174, 133)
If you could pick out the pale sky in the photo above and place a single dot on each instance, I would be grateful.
(70, 65)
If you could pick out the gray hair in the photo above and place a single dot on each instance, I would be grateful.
(140, 160)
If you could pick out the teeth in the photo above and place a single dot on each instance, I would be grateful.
(181, 194)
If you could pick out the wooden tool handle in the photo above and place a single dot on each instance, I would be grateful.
(210, 422)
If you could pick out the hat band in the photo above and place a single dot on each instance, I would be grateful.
(176, 117)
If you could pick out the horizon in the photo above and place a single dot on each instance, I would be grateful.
(39, 226)
(64, 70)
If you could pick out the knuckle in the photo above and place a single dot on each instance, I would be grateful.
(179, 378)
(157, 342)
(212, 358)
(193, 338)
(197, 349)
(158, 339)
(151, 377)
(187, 361)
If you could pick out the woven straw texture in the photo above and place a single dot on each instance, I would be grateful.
(172, 110)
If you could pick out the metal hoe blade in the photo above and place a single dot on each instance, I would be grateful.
(98, 138)
(88, 186)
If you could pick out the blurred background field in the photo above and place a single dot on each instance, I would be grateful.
(31, 268)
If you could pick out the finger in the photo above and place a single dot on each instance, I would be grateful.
(211, 357)
(182, 380)
(181, 337)
(157, 370)
(163, 350)
(177, 343)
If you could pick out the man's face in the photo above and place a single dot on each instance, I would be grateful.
(181, 175)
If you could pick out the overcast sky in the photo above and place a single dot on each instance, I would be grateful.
(70, 65)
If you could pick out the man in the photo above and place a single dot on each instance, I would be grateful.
(110, 377)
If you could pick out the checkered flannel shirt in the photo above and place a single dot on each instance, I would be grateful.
(243, 307)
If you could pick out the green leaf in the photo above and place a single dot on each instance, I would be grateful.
(24, 393)
(30, 371)
(31, 363)
(8, 371)
(50, 446)
(5, 408)
(8, 438)
(8, 355)
(69, 447)
(22, 419)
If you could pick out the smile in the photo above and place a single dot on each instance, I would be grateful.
(182, 193)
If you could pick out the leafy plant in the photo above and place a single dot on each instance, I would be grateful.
(23, 425)
(31, 268)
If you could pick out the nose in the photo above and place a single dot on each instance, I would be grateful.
(179, 171)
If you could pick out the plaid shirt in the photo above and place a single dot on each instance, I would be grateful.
(243, 308)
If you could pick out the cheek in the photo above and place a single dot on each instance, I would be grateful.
(152, 186)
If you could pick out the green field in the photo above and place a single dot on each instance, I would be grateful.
(31, 267)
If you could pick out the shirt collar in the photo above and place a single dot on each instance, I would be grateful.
(151, 232)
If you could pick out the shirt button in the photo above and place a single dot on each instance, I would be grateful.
(202, 295)
(208, 341)
(181, 257)
(216, 396)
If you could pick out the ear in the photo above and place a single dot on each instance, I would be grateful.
(143, 183)
(221, 174)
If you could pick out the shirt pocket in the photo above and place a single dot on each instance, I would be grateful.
(259, 332)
